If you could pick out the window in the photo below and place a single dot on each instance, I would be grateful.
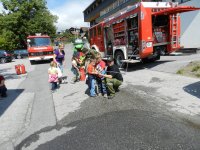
(40, 41)
(184, 1)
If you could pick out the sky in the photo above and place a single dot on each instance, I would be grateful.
(70, 12)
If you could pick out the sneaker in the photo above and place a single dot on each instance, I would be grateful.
(93, 96)
(53, 91)
(111, 96)
(60, 81)
(73, 82)
(5, 95)
(99, 94)
(116, 89)
(105, 96)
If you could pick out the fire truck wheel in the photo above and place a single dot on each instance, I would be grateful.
(119, 56)
(145, 60)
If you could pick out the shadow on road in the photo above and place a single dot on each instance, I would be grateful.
(139, 65)
(130, 129)
(6, 102)
(8, 75)
(193, 89)
(41, 62)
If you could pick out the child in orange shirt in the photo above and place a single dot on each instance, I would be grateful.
(92, 77)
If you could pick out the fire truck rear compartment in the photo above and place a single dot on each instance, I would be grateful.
(160, 29)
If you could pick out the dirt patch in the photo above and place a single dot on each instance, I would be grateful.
(191, 70)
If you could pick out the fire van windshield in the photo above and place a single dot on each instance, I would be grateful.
(34, 42)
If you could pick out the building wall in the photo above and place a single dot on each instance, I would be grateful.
(190, 22)
(95, 13)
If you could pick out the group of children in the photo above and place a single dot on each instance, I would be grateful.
(96, 71)
(101, 79)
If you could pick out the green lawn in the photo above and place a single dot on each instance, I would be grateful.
(191, 70)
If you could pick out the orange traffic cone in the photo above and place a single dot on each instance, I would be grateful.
(17, 69)
(23, 69)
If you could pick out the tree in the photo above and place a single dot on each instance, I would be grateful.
(23, 18)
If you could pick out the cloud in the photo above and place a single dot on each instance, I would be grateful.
(70, 14)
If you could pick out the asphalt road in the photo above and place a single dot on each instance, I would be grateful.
(130, 121)
(43, 108)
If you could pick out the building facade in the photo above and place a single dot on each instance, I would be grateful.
(101, 9)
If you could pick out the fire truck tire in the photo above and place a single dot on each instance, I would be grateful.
(32, 62)
(149, 60)
(145, 60)
(118, 57)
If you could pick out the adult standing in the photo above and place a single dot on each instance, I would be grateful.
(3, 88)
(113, 78)
(59, 57)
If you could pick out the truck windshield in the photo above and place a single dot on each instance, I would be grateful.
(39, 42)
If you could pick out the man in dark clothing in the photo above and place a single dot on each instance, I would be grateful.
(3, 88)
(113, 78)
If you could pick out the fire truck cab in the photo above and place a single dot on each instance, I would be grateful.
(142, 32)
(39, 48)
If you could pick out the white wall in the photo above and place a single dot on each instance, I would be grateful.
(190, 26)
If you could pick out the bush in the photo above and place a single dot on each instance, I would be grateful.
(180, 71)
(196, 68)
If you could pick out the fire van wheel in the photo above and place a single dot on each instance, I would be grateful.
(119, 56)
(19, 57)
(32, 62)
(3, 60)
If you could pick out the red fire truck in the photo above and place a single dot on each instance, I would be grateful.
(139, 32)
(39, 48)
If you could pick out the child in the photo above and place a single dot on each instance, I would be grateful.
(53, 75)
(75, 70)
(92, 77)
(3, 88)
(101, 68)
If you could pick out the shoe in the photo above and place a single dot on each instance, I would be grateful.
(73, 82)
(5, 95)
(99, 94)
(53, 91)
(93, 96)
(111, 96)
(116, 90)
(60, 81)
(105, 96)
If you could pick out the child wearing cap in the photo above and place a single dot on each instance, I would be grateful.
(101, 68)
